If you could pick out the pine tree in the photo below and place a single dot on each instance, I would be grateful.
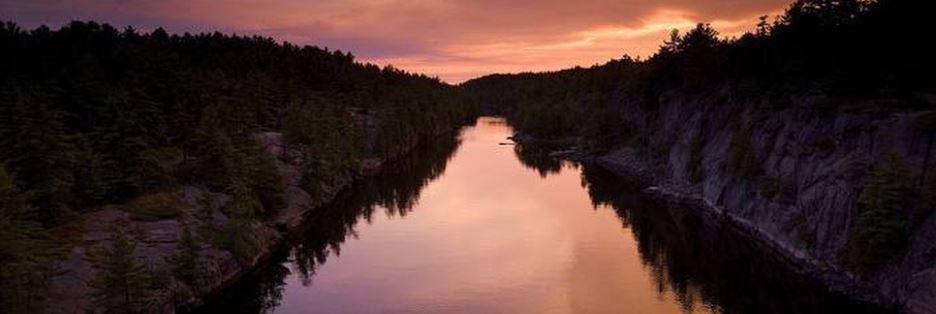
(244, 203)
(237, 238)
(24, 252)
(205, 211)
(39, 153)
(259, 169)
(881, 229)
(216, 150)
(186, 257)
(122, 284)
(91, 185)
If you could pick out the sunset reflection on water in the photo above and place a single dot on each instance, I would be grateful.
(473, 224)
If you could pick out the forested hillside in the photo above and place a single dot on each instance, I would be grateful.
(814, 132)
(92, 115)
(849, 50)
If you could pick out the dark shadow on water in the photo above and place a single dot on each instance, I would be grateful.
(706, 264)
(537, 158)
(259, 292)
(397, 189)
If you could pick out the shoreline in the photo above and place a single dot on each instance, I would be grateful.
(627, 165)
(218, 268)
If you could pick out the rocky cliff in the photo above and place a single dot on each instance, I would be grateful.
(158, 236)
(791, 172)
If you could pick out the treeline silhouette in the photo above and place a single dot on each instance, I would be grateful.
(93, 115)
(846, 49)
(865, 57)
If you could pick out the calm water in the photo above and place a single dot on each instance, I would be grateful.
(467, 225)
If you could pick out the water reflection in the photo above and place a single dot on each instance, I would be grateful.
(537, 158)
(259, 292)
(706, 264)
(395, 190)
(499, 229)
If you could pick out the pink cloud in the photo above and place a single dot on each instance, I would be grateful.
(452, 39)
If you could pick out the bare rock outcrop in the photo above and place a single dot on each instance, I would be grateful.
(158, 237)
(811, 165)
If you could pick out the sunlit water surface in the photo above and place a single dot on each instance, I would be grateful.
(474, 226)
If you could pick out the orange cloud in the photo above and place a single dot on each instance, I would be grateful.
(453, 39)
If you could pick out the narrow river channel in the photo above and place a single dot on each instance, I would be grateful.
(469, 225)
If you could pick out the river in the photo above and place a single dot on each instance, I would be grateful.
(470, 225)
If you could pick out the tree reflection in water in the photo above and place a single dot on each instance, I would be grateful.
(396, 190)
(259, 292)
(704, 262)
(537, 158)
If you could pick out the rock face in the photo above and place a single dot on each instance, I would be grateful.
(158, 238)
(811, 165)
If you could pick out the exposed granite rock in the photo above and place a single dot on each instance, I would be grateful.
(813, 166)
(158, 238)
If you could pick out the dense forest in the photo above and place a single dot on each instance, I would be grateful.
(849, 50)
(857, 57)
(93, 115)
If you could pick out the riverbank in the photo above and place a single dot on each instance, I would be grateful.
(626, 163)
(158, 236)
(409, 239)
(718, 194)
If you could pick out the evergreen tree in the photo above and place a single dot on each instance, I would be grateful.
(186, 257)
(122, 284)
(880, 229)
(330, 141)
(91, 185)
(244, 203)
(145, 113)
(205, 212)
(237, 238)
(218, 160)
(39, 153)
(24, 252)
(259, 168)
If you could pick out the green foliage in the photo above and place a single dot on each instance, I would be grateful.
(24, 252)
(155, 206)
(244, 203)
(218, 160)
(122, 284)
(245, 166)
(91, 185)
(139, 113)
(38, 151)
(844, 49)
(90, 115)
(237, 238)
(331, 142)
(606, 128)
(262, 177)
(205, 211)
(880, 228)
(186, 258)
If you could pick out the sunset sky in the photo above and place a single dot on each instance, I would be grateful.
(452, 39)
